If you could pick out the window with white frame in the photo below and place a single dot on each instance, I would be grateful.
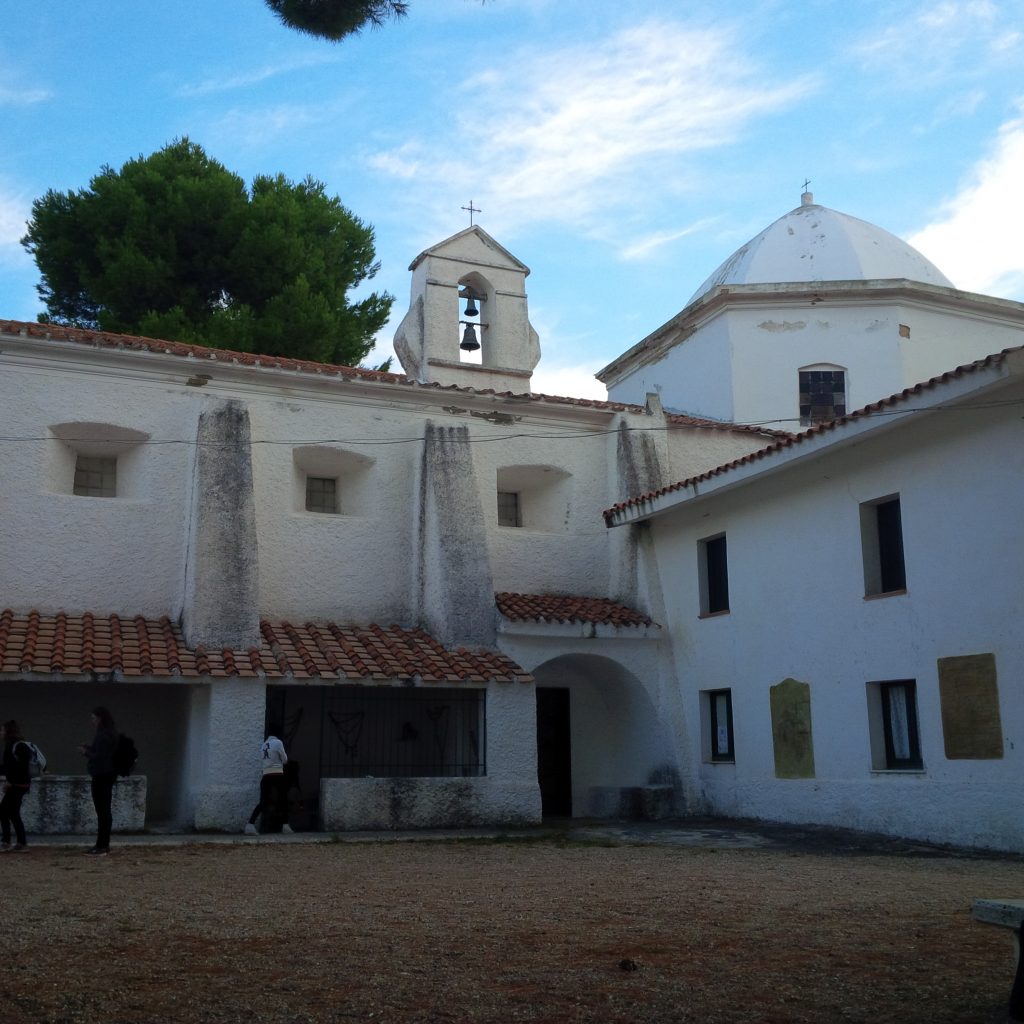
(534, 497)
(718, 734)
(95, 460)
(332, 481)
(713, 574)
(892, 716)
(881, 524)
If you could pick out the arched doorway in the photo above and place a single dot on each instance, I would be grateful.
(602, 750)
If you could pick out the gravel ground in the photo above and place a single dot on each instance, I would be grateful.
(542, 931)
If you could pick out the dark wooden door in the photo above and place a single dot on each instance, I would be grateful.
(554, 752)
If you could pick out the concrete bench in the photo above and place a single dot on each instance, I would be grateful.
(62, 805)
(1007, 914)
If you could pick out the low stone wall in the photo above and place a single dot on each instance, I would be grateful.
(62, 805)
(348, 805)
(632, 803)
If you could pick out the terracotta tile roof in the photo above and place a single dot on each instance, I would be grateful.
(555, 608)
(87, 645)
(790, 440)
(106, 340)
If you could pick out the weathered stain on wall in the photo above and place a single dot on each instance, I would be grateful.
(784, 326)
(455, 583)
(221, 574)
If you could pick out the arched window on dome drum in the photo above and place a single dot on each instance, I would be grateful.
(822, 395)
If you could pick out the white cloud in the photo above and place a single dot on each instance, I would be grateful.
(402, 163)
(15, 210)
(643, 247)
(976, 241)
(938, 40)
(247, 78)
(20, 96)
(255, 128)
(576, 381)
(563, 136)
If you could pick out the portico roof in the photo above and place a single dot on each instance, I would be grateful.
(567, 608)
(102, 648)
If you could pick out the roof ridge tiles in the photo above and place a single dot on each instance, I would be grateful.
(818, 429)
(140, 343)
(137, 646)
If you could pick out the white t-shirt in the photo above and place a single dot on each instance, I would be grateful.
(272, 756)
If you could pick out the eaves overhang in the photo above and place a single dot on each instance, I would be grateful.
(969, 382)
(812, 294)
(578, 630)
(45, 346)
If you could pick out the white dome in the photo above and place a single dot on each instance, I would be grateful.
(813, 243)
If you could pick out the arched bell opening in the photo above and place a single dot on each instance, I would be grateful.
(476, 304)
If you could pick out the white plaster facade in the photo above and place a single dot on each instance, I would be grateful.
(210, 528)
(797, 609)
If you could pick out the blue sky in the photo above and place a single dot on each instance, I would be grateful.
(621, 151)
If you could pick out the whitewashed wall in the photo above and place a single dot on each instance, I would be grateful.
(742, 364)
(797, 609)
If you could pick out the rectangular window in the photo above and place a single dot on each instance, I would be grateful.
(720, 739)
(509, 513)
(895, 742)
(402, 732)
(95, 477)
(882, 542)
(713, 569)
(321, 494)
(822, 395)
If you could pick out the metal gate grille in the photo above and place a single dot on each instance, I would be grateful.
(396, 733)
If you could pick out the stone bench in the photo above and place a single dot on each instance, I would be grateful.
(1007, 914)
(62, 805)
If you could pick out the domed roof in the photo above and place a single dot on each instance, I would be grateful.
(813, 243)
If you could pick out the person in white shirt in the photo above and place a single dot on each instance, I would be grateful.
(273, 805)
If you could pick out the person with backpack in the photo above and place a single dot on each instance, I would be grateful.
(100, 762)
(16, 758)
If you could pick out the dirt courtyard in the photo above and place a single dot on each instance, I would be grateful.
(540, 930)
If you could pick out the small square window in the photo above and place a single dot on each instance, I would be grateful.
(720, 736)
(882, 542)
(95, 477)
(896, 744)
(713, 569)
(822, 395)
(321, 494)
(509, 513)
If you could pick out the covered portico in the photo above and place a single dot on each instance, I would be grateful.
(454, 730)
(608, 720)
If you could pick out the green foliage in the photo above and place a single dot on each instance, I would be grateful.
(335, 19)
(174, 246)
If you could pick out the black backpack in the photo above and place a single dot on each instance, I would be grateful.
(125, 755)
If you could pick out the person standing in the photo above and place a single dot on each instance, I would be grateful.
(273, 803)
(100, 762)
(16, 757)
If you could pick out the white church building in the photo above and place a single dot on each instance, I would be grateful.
(775, 575)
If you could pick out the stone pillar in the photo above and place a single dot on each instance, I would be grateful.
(230, 783)
(222, 570)
(455, 586)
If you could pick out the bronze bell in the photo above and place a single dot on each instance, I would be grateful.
(469, 342)
(471, 309)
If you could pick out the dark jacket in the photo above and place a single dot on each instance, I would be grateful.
(16, 763)
(100, 753)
